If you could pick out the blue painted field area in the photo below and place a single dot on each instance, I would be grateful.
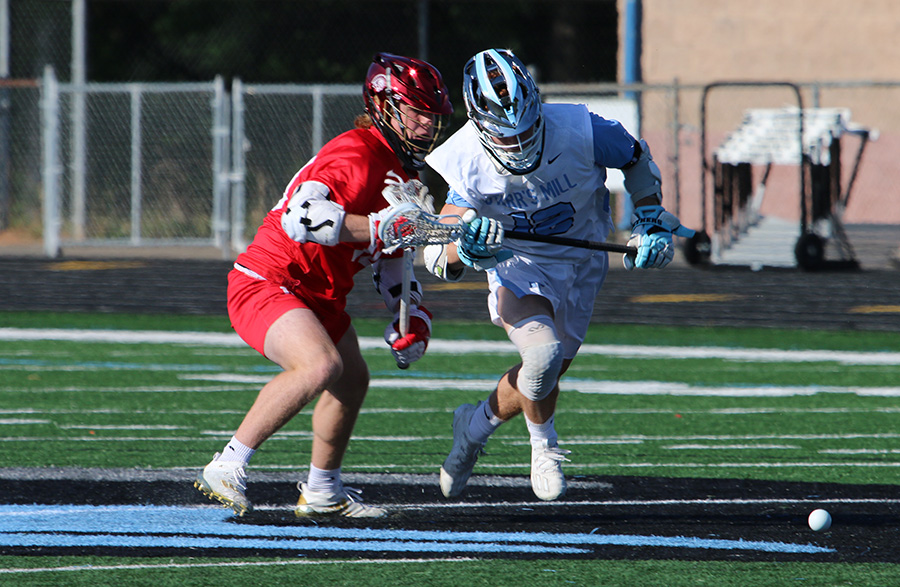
(204, 527)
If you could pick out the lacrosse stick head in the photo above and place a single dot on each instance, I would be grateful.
(412, 191)
(407, 226)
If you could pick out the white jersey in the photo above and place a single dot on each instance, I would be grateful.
(565, 196)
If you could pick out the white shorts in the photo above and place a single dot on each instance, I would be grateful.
(570, 287)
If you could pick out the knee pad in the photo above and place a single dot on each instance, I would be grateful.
(542, 356)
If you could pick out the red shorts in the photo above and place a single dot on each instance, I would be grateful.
(255, 304)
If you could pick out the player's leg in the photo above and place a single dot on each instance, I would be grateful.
(572, 318)
(539, 370)
(299, 344)
(279, 326)
(333, 420)
(338, 407)
(473, 424)
(529, 386)
(532, 386)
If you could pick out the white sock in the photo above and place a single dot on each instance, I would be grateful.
(483, 423)
(235, 450)
(324, 480)
(541, 432)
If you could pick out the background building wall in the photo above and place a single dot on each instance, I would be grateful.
(798, 40)
(697, 42)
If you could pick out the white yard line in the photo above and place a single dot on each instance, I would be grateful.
(277, 563)
(468, 346)
(649, 412)
(586, 386)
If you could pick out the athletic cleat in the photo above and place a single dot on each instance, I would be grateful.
(225, 481)
(547, 479)
(348, 504)
(457, 468)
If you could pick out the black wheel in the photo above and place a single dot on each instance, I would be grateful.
(697, 249)
(810, 251)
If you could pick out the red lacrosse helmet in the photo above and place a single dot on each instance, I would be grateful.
(408, 102)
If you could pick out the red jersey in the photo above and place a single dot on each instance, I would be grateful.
(356, 166)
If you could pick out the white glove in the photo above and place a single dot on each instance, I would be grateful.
(651, 233)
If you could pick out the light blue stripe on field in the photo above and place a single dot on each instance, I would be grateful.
(150, 541)
(195, 527)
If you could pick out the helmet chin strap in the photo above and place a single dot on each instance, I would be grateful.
(385, 124)
(498, 165)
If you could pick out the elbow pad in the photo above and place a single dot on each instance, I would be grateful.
(387, 273)
(642, 175)
(311, 217)
(435, 257)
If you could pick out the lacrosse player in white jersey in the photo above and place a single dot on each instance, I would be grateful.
(518, 164)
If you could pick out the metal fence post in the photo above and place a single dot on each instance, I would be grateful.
(136, 194)
(318, 118)
(50, 155)
(238, 169)
(221, 137)
(78, 139)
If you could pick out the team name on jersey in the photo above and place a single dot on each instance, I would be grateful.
(530, 197)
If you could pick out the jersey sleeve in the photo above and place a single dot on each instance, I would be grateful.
(613, 145)
(455, 199)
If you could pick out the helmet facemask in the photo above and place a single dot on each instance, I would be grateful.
(416, 130)
(504, 103)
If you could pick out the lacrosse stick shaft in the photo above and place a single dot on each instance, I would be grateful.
(571, 242)
(406, 282)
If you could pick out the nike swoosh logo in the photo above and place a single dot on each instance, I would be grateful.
(550, 161)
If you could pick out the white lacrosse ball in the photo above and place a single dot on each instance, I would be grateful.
(819, 520)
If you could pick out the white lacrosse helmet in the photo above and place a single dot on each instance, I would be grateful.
(504, 103)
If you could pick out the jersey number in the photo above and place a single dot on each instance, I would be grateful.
(556, 219)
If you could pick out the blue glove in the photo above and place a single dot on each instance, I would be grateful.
(651, 232)
(481, 244)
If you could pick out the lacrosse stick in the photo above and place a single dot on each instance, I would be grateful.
(413, 228)
(412, 191)
(397, 194)
(409, 256)
(571, 242)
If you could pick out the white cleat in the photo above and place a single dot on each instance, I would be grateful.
(457, 468)
(547, 479)
(348, 504)
(225, 481)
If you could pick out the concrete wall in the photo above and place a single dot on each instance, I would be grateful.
(697, 42)
(798, 40)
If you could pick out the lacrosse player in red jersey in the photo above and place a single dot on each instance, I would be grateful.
(522, 165)
(287, 293)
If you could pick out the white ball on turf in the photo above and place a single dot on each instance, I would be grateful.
(819, 520)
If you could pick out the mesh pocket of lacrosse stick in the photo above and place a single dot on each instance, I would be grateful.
(411, 191)
(408, 226)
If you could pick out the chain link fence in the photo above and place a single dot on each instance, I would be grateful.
(20, 156)
(134, 164)
(139, 165)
